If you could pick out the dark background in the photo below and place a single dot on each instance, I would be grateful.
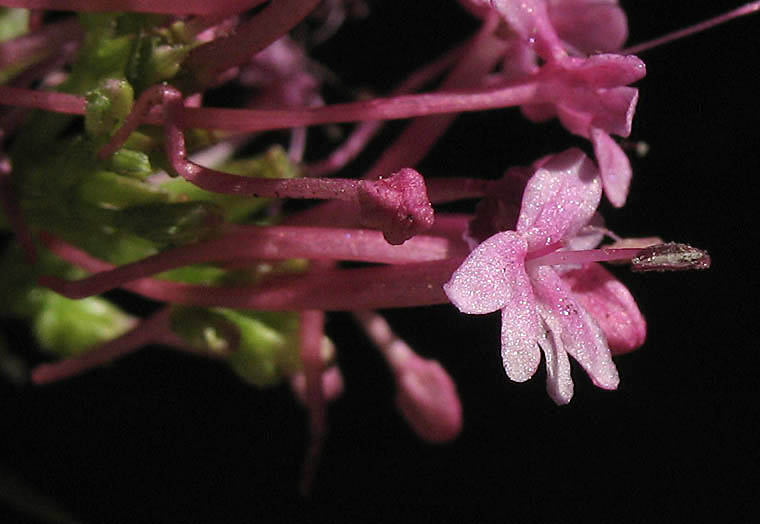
(163, 437)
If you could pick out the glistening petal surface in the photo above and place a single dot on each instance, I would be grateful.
(559, 199)
(614, 167)
(491, 276)
(559, 382)
(610, 303)
(581, 336)
(520, 330)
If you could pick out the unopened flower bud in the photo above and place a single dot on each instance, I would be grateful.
(427, 397)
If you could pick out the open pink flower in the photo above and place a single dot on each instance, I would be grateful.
(539, 303)
(588, 94)
(591, 98)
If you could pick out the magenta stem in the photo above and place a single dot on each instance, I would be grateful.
(752, 7)
(45, 100)
(177, 7)
(147, 331)
(405, 106)
(365, 131)
(404, 285)
(483, 53)
(394, 349)
(311, 332)
(36, 45)
(250, 120)
(272, 243)
(209, 60)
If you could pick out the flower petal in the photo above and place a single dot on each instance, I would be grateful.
(559, 199)
(581, 336)
(559, 382)
(520, 330)
(599, 71)
(589, 236)
(590, 26)
(491, 277)
(614, 167)
(530, 20)
(610, 303)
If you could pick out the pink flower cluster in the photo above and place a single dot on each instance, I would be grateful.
(530, 250)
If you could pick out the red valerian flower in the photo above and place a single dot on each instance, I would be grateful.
(544, 304)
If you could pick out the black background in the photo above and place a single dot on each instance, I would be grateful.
(163, 437)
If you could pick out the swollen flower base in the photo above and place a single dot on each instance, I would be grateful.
(117, 171)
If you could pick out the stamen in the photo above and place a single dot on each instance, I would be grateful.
(584, 256)
(747, 9)
(670, 257)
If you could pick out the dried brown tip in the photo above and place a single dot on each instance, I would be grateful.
(670, 257)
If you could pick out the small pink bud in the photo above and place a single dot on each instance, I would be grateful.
(428, 399)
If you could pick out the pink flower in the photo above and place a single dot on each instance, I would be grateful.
(591, 98)
(545, 306)
(589, 95)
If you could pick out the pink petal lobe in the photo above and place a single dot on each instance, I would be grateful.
(601, 71)
(589, 236)
(559, 199)
(486, 280)
(615, 110)
(538, 113)
(610, 303)
(581, 337)
(614, 167)
(520, 330)
(559, 382)
(530, 20)
(590, 26)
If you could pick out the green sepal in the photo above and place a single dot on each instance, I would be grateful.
(108, 106)
(61, 325)
(266, 355)
(111, 190)
(70, 327)
(130, 163)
